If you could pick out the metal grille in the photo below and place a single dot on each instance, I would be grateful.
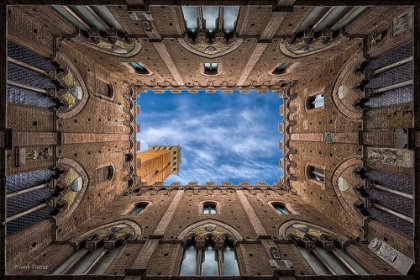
(22, 96)
(28, 220)
(392, 221)
(392, 97)
(27, 56)
(394, 76)
(398, 203)
(27, 200)
(28, 179)
(28, 77)
(391, 57)
(393, 181)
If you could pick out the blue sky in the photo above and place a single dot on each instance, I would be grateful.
(223, 137)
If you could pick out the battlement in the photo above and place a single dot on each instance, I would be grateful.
(212, 185)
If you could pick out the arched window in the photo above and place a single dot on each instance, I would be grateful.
(280, 208)
(209, 260)
(281, 68)
(103, 88)
(209, 208)
(315, 101)
(28, 78)
(28, 198)
(210, 68)
(318, 249)
(139, 68)
(316, 173)
(139, 208)
(97, 252)
(104, 173)
(189, 261)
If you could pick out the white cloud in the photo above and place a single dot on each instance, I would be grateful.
(217, 144)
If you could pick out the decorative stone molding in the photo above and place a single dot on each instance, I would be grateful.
(308, 45)
(347, 69)
(338, 170)
(389, 156)
(402, 23)
(329, 137)
(76, 94)
(114, 44)
(396, 259)
(204, 48)
(200, 229)
(118, 228)
(85, 179)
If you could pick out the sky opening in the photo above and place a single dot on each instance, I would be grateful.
(223, 137)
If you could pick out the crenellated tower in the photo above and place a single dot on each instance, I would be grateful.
(157, 163)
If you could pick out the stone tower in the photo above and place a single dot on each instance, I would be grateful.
(157, 163)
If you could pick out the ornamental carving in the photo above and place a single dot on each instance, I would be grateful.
(399, 261)
(329, 137)
(398, 157)
(308, 44)
(402, 23)
(113, 43)
(212, 47)
(275, 253)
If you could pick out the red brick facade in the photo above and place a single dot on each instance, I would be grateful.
(97, 138)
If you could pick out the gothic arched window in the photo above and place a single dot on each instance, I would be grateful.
(30, 198)
(318, 249)
(209, 258)
(97, 252)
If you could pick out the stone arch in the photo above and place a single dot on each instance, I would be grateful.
(291, 49)
(230, 229)
(135, 229)
(131, 46)
(83, 174)
(62, 59)
(283, 228)
(201, 52)
(338, 170)
(347, 68)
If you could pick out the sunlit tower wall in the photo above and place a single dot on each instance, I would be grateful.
(157, 163)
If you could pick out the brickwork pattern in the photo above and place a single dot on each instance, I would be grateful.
(124, 259)
(372, 263)
(394, 238)
(104, 203)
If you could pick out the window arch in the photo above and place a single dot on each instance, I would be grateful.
(319, 250)
(104, 89)
(315, 101)
(209, 256)
(97, 251)
(139, 208)
(281, 68)
(104, 173)
(211, 68)
(317, 174)
(280, 208)
(139, 68)
(209, 208)
(30, 198)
